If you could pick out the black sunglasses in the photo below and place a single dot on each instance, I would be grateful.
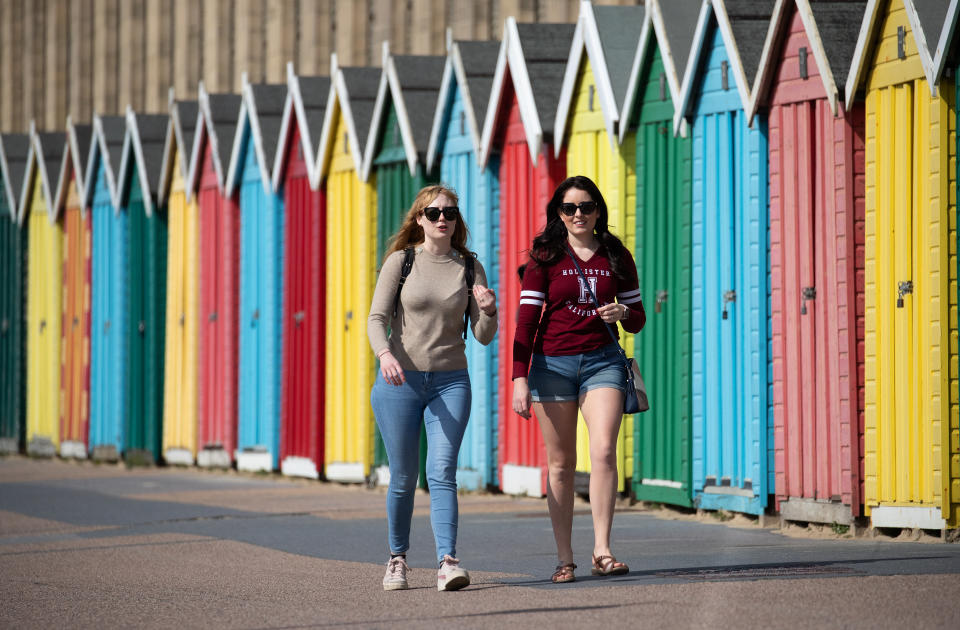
(449, 213)
(586, 208)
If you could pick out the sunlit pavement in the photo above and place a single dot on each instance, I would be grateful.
(85, 545)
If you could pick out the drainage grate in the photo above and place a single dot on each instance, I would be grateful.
(750, 573)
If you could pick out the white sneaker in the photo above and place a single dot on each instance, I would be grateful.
(395, 578)
(450, 577)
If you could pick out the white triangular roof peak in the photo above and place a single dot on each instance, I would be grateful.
(390, 87)
(929, 58)
(339, 97)
(98, 147)
(72, 165)
(511, 59)
(587, 38)
(248, 116)
(771, 54)
(294, 112)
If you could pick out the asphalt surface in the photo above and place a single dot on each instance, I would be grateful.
(85, 545)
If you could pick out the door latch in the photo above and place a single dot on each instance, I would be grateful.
(256, 316)
(903, 288)
(106, 326)
(661, 298)
(298, 317)
(349, 316)
(212, 316)
(183, 319)
(808, 293)
(141, 326)
(5, 325)
(728, 296)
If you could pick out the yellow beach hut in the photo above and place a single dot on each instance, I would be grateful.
(44, 291)
(588, 121)
(351, 271)
(180, 403)
(910, 362)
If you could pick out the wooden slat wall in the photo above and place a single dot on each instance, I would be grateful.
(81, 60)
(133, 69)
(56, 78)
(218, 16)
(106, 49)
(11, 66)
(60, 57)
(159, 74)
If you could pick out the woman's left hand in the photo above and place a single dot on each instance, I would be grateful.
(486, 299)
(611, 313)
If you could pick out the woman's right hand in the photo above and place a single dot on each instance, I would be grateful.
(521, 397)
(391, 370)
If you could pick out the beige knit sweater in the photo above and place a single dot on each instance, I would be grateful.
(426, 335)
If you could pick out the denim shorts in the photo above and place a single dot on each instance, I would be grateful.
(559, 379)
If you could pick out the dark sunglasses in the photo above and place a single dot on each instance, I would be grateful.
(449, 213)
(586, 208)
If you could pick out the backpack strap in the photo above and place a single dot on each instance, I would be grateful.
(470, 274)
(408, 255)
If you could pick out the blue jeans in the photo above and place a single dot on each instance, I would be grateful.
(442, 401)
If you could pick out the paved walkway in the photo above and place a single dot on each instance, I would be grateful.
(85, 545)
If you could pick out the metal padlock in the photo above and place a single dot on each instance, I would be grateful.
(807, 293)
(728, 296)
(903, 288)
(141, 326)
(661, 298)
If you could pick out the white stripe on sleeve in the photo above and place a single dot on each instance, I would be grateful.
(628, 294)
(632, 300)
(531, 302)
(533, 294)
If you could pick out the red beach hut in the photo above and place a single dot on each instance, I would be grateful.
(518, 136)
(305, 119)
(816, 257)
(219, 262)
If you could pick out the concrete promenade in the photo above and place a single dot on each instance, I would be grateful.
(85, 545)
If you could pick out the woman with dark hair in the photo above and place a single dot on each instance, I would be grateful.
(419, 334)
(575, 365)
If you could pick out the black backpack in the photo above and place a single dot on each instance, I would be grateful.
(408, 256)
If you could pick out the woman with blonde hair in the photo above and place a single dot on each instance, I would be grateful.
(418, 322)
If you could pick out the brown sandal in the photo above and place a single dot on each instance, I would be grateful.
(608, 565)
(564, 573)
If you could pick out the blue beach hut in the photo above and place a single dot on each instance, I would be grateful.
(261, 275)
(455, 146)
(109, 289)
(732, 420)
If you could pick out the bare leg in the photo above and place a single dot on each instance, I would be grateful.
(602, 411)
(558, 424)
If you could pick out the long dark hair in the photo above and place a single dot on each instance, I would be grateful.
(550, 245)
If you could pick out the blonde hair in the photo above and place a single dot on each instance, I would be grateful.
(411, 234)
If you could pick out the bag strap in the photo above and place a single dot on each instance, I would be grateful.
(408, 254)
(470, 274)
(623, 354)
